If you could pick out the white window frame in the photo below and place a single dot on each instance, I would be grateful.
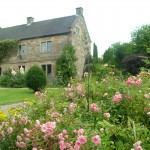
(46, 48)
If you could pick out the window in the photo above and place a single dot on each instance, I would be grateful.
(22, 49)
(22, 67)
(46, 46)
(47, 69)
(77, 29)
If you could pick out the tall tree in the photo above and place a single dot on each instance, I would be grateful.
(95, 54)
(141, 38)
(115, 54)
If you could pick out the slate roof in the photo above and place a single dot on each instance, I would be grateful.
(38, 29)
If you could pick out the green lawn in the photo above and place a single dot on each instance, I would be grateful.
(14, 95)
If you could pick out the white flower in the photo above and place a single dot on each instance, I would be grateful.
(21, 70)
(13, 72)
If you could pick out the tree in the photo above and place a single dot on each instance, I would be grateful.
(65, 65)
(116, 53)
(95, 54)
(133, 64)
(36, 78)
(88, 65)
(141, 38)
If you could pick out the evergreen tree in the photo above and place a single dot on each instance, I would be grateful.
(95, 54)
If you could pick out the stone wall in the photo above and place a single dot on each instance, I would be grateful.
(33, 54)
(81, 41)
(78, 37)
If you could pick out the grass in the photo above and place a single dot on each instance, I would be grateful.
(15, 95)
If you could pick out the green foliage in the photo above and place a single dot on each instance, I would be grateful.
(116, 53)
(88, 65)
(36, 78)
(146, 59)
(141, 38)
(95, 54)
(65, 65)
(13, 81)
(127, 123)
(102, 70)
(7, 49)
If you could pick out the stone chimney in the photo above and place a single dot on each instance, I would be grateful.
(30, 20)
(79, 11)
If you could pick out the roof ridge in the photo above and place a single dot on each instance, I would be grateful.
(39, 21)
(42, 28)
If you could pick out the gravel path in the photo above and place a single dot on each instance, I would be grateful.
(4, 108)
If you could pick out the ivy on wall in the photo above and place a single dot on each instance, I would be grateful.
(8, 48)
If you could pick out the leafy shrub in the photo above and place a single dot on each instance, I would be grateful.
(12, 80)
(102, 70)
(65, 65)
(118, 116)
(35, 78)
(133, 63)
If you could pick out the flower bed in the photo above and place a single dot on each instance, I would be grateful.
(110, 114)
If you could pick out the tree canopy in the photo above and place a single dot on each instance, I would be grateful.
(141, 38)
(139, 44)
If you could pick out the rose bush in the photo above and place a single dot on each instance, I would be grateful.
(88, 114)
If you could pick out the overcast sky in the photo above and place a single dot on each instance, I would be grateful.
(108, 21)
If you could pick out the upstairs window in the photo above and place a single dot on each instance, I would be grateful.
(22, 49)
(46, 46)
(77, 29)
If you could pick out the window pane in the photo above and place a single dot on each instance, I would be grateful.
(49, 46)
(22, 49)
(44, 68)
(43, 46)
(49, 69)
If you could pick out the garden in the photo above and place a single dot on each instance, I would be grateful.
(107, 109)
(111, 112)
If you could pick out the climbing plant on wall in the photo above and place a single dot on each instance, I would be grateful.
(7, 49)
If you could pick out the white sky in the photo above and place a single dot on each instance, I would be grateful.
(108, 21)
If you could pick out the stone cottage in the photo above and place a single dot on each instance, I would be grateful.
(41, 43)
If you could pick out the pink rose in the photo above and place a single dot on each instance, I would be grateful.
(105, 95)
(94, 107)
(138, 82)
(82, 139)
(9, 130)
(77, 145)
(80, 131)
(96, 139)
(62, 145)
(106, 115)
